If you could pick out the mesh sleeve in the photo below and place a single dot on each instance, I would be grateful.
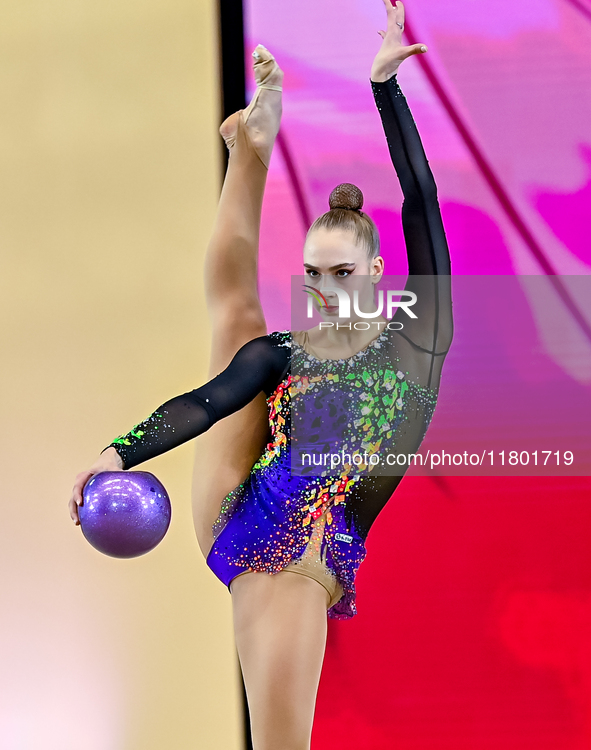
(429, 264)
(258, 366)
(423, 342)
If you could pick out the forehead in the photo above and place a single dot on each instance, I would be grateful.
(331, 246)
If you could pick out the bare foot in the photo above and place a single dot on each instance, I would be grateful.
(262, 117)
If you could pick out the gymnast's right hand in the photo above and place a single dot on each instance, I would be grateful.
(393, 52)
(109, 460)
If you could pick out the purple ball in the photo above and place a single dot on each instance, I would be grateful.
(124, 513)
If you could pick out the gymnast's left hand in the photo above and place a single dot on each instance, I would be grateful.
(109, 460)
(393, 52)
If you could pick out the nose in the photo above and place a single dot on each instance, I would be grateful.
(326, 282)
(329, 296)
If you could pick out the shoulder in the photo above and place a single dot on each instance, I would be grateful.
(277, 357)
(272, 350)
(281, 339)
(269, 341)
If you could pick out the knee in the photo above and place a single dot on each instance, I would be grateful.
(287, 737)
(282, 743)
(281, 721)
(280, 717)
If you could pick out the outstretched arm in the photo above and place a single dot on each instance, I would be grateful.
(426, 245)
(258, 366)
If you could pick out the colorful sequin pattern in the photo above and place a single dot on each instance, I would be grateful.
(359, 404)
(136, 433)
(278, 405)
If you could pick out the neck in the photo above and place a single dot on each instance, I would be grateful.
(343, 340)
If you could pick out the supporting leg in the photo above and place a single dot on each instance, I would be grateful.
(280, 626)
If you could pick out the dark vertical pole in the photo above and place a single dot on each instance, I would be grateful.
(233, 80)
(233, 96)
(246, 718)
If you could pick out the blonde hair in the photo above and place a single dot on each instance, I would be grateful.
(345, 213)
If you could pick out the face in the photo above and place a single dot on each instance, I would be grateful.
(333, 258)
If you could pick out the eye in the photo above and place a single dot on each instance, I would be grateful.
(311, 272)
(342, 273)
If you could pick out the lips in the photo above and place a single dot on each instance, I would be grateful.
(331, 308)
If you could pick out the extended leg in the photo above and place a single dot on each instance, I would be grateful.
(231, 262)
(280, 626)
(226, 453)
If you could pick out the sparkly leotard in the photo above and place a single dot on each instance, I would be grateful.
(380, 401)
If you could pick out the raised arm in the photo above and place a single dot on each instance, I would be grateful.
(426, 245)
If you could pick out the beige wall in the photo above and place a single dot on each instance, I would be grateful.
(109, 178)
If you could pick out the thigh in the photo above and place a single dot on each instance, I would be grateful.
(280, 626)
(224, 455)
(234, 324)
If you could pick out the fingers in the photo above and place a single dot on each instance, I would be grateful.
(395, 12)
(415, 49)
(73, 507)
(390, 10)
(398, 17)
(77, 498)
(382, 34)
(81, 480)
(401, 11)
(396, 9)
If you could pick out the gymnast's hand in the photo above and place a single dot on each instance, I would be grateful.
(109, 460)
(393, 52)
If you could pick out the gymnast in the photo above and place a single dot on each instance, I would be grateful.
(287, 540)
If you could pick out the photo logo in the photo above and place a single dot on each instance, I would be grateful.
(314, 294)
(345, 302)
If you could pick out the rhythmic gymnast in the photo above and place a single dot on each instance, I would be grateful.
(258, 520)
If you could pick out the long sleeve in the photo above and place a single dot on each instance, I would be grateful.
(429, 264)
(258, 366)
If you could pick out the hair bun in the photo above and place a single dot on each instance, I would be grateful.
(346, 196)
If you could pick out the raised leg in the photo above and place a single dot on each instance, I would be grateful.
(226, 453)
(280, 626)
